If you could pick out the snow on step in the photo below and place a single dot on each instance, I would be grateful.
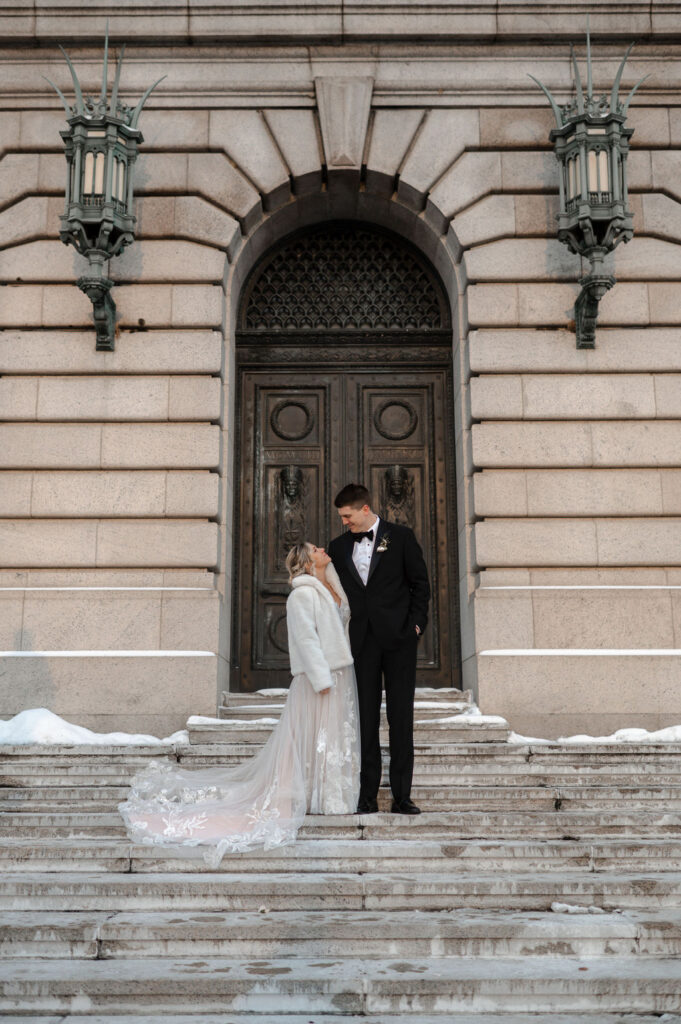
(323, 984)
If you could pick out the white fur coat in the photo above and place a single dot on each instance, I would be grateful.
(317, 630)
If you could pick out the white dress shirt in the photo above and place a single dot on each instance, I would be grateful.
(362, 552)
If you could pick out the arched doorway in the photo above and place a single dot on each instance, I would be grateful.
(343, 355)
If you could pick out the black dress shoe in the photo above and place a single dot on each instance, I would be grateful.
(367, 807)
(405, 807)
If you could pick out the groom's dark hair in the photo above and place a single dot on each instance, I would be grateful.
(354, 495)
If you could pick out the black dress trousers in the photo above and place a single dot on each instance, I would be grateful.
(398, 669)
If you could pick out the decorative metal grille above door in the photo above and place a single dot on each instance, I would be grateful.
(344, 373)
(340, 278)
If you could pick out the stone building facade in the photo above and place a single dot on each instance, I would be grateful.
(131, 524)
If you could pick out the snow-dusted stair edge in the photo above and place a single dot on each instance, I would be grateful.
(40, 726)
(37, 726)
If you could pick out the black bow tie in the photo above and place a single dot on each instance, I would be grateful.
(357, 537)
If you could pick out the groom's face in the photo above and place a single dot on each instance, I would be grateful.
(356, 518)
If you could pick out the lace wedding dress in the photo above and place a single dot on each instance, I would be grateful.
(310, 762)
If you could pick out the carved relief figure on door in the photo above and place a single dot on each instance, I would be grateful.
(290, 512)
(397, 503)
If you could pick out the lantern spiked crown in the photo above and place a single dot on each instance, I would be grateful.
(591, 145)
(101, 147)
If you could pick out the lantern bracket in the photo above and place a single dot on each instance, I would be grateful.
(591, 144)
(594, 288)
(101, 143)
(98, 291)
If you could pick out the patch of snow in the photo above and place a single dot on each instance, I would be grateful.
(252, 707)
(106, 588)
(469, 717)
(107, 654)
(570, 908)
(444, 704)
(586, 586)
(248, 723)
(230, 723)
(38, 725)
(453, 691)
(515, 737)
(584, 652)
(671, 734)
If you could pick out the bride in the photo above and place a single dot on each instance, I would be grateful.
(310, 762)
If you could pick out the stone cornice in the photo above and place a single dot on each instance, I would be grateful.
(336, 21)
(285, 77)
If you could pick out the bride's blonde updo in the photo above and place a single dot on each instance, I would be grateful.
(298, 560)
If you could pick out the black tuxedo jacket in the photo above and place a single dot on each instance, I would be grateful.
(395, 598)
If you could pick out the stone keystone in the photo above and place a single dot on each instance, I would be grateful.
(344, 105)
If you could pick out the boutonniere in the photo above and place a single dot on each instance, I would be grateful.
(383, 546)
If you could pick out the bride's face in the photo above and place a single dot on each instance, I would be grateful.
(318, 557)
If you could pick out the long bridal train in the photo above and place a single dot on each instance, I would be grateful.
(310, 762)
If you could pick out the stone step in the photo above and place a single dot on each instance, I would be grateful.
(481, 796)
(83, 751)
(306, 1018)
(559, 823)
(73, 823)
(54, 786)
(619, 756)
(350, 855)
(48, 776)
(442, 788)
(432, 799)
(81, 935)
(51, 764)
(439, 782)
(350, 986)
(257, 731)
(626, 754)
(337, 891)
(106, 796)
(423, 710)
(424, 694)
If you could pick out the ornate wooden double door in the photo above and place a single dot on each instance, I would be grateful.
(335, 403)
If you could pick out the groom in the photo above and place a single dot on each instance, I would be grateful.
(382, 571)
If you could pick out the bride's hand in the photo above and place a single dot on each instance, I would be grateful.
(327, 690)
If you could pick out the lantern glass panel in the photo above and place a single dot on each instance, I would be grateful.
(599, 176)
(88, 174)
(593, 171)
(99, 174)
(574, 186)
(603, 176)
(620, 176)
(121, 180)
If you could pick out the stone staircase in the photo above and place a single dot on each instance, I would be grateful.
(442, 917)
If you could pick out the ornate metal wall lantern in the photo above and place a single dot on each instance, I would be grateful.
(101, 147)
(592, 145)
